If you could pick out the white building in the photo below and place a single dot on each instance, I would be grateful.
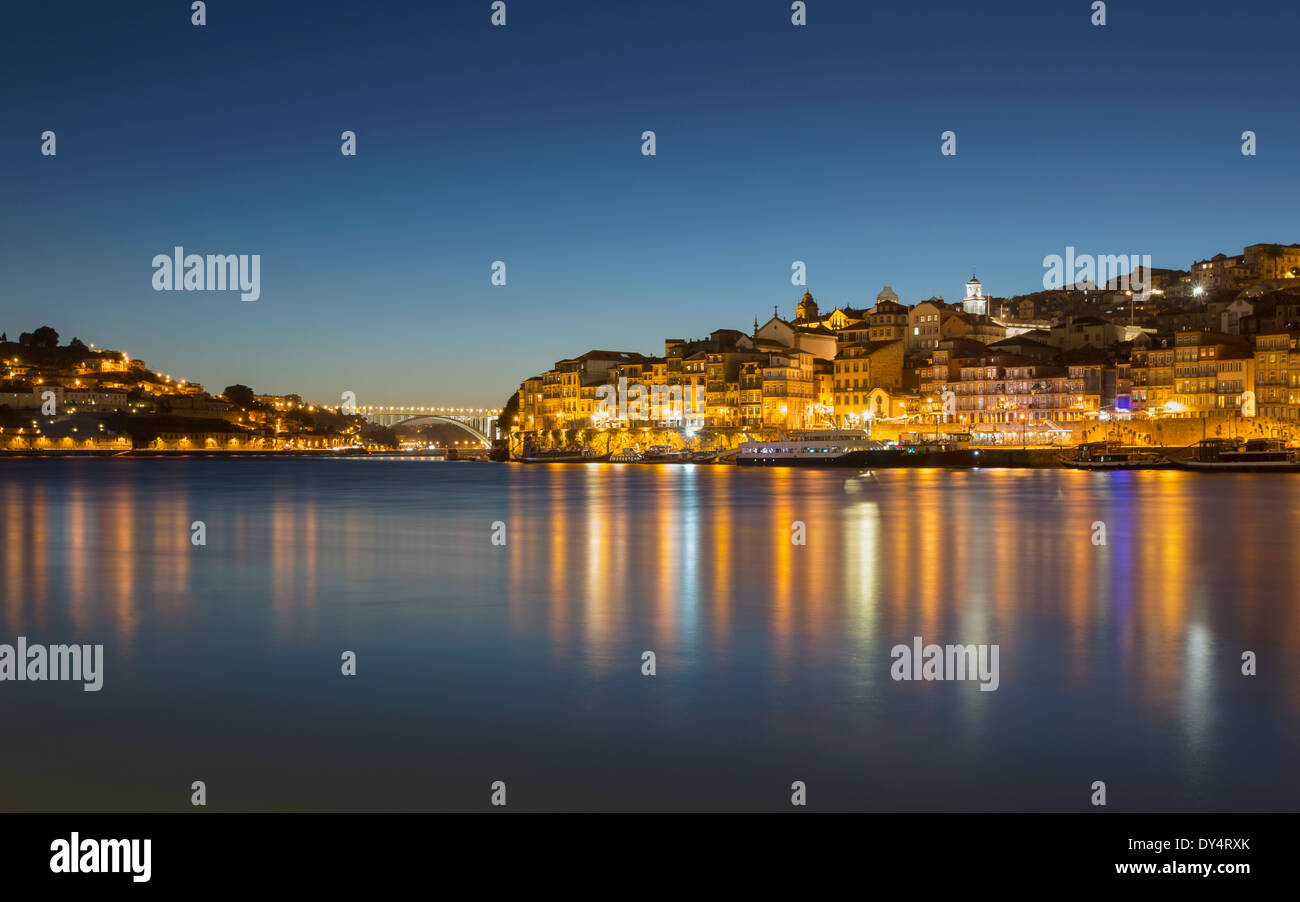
(975, 302)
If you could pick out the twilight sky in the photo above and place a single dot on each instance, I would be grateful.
(522, 144)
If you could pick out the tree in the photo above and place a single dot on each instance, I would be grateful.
(1274, 254)
(301, 415)
(378, 435)
(45, 337)
(77, 345)
(507, 416)
(239, 395)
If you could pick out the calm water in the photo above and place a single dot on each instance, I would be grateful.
(522, 663)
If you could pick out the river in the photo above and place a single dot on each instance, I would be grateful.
(499, 615)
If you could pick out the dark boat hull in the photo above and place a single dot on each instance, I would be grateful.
(1115, 465)
(563, 459)
(892, 458)
(1202, 466)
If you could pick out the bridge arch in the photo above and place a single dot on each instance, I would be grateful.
(452, 421)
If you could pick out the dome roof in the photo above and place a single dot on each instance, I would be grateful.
(887, 294)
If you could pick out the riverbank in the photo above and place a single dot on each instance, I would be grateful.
(982, 457)
(148, 452)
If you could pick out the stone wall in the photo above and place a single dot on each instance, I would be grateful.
(1171, 432)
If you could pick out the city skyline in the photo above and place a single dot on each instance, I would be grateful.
(523, 144)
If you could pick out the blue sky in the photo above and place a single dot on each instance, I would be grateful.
(522, 144)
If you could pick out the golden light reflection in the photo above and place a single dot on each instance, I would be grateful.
(117, 532)
(664, 562)
(720, 503)
(17, 515)
(79, 534)
(293, 540)
(171, 538)
(600, 624)
(862, 567)
(699, 563)
(779, 528)
(557, 552)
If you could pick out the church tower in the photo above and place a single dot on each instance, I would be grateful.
(807, 309)
(975, 301)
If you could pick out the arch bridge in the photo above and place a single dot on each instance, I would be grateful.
(480, 423)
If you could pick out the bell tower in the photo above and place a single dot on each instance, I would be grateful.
(807, 309)
(975, 302)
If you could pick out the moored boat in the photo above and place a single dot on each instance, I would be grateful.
(1259, 455)
(1113, 456)
(850, 448)
(660, 454)
(528, 454)
(562, 456)
(830, 447)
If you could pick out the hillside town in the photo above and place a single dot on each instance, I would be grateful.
(1210, 350)
(76, 397)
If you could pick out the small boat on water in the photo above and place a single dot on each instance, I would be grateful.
(855, 484)
(661, 454)
(528, 454)
(655, 454)
(1113, 456)
(562, 456)
(1259, 455)
(816, 448)
(852, 448)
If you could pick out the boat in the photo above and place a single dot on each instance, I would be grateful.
(936, 450)
(655, 454)
(1113, 456)
(850, 448)
(855, 484)
(829, 447)
(1259, 455)
(562, 456)
(527, 454)
(933, 442)
(661, 454)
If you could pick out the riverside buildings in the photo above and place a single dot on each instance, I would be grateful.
(963, 366)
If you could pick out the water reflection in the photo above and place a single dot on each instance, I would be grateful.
(1131, 644)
